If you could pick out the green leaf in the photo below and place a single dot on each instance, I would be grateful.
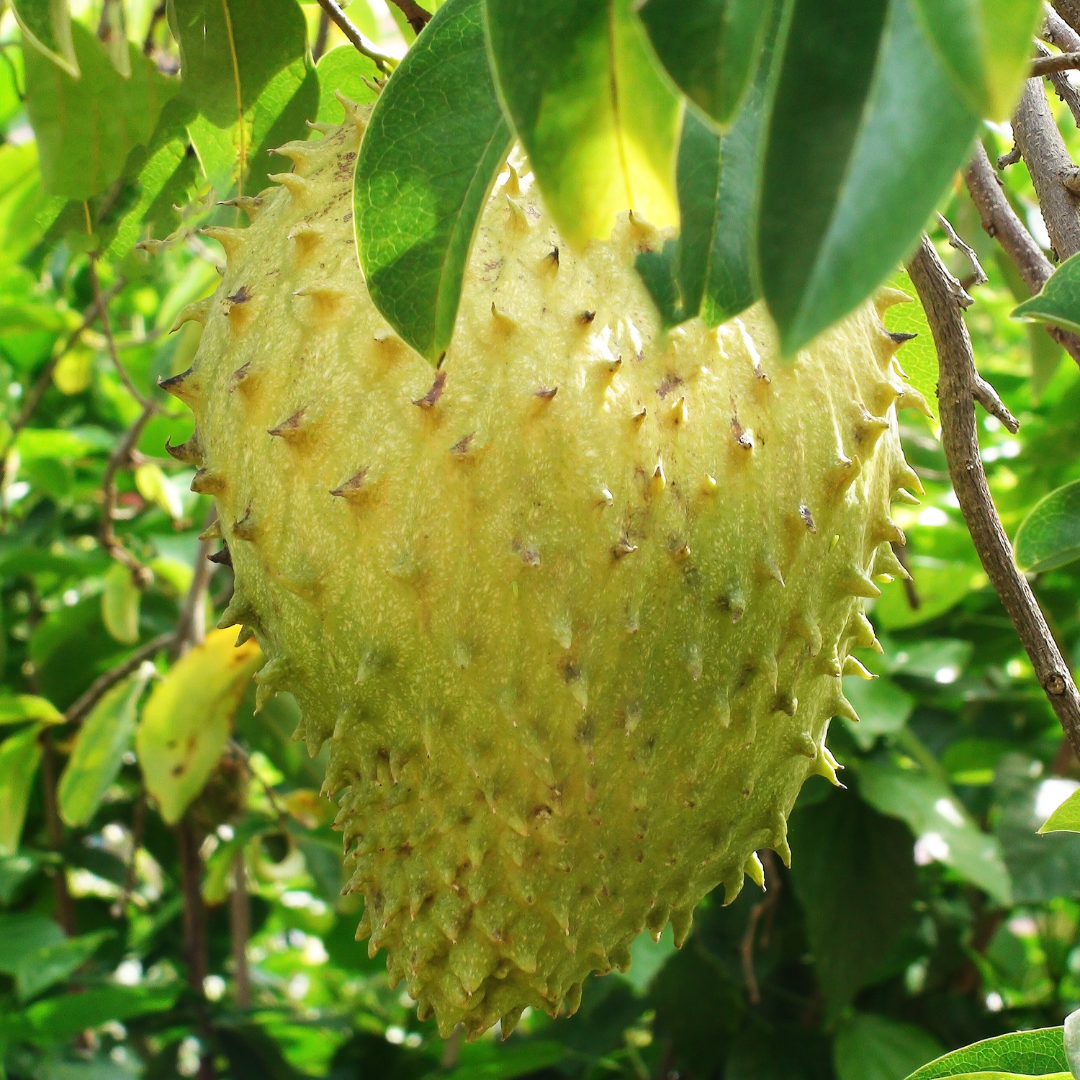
(245, 66)
(120, 602)
(38, 969)
(986, 46)
(871, 1047)
(103, 739)
(854, 877)
(155, 487)
(86, 127)
(57, 1019)
(67, 444)
(24, 933)
(883, 708)
(186, 723)
(22, 707)
(488, 1062)
(591, 106)
(944, 830)
(46, 25)
(343, 69)
(1058, 301)
(1049, 536)
(647, 958)
(1066, 818)
(939, 583)
(1040, 1052)
(429, 157)
(918, 357)
(675, 276)
(865, 134)
(19, 757)
(709, 47)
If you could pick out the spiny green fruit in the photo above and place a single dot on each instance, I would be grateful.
(572, 611)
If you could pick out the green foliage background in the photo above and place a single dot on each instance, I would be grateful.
(922, 911)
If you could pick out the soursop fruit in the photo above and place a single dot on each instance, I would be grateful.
(571, 610)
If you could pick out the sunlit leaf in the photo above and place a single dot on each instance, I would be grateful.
(22, 707)
(186, 723)
(944, 830)
(592, 108)
(1066, 818)
(986, 45)
(709, 47)
(155, 487)
(1040, 1052)
(104, 737)
(343, 69)
(940, 584)
(918, 357)
(1049, 536)
(430, 154)
(120, 601)
(86, 127)
(46, 25)
(866, 132)
(74, 371)
(20, 755)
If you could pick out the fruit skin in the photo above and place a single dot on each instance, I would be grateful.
(571, 611)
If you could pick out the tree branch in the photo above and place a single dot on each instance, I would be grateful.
(1055, 62)
(417, 16)
(119, 458)
(1069, 10)
(1000, 221)
(1048, 162)
(383, 61)
(959, 386)
(1056, 31)
(106, 681)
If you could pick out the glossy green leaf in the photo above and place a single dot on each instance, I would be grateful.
(1049, 536)
(20, 755)
(1058, 301)
(865, 134)
(343, 69)
(46, 25)
(853, 875)
(709, 47)
(1040, 1052)
(944, 830)
(186, 723)
(480, 1062)
(1066, 818)
(940, 584)
(872, 1047)
(431, 152)
(120, 601)
(21, 707)
(86, 127)
(917, 357)
(103, 739)
(595, 113)
(986, 45)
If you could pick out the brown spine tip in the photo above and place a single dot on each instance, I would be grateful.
(190, 452)
(222, 557)
(239, 377)
(251, 205)
(207, 483)
(291, 428)
(353, 489)
(546, 393)
(183, 386)
(623, 547)
(247, 528)
(807, 518)
(586, 317)
(639, 417)
(429, 400)
(463, 446)
(300, 153)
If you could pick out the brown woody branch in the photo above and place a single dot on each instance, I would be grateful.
(959, 386)
(416, 16)
(105, 682)
(1069, 11)
(1055, 62)
(1001, 222)
(118, 459)
(384, 62)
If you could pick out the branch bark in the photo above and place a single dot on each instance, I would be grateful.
(1001, 222)
(1069, 10)
(417, 16)
(959, 387)
(383, 61)
(50, 777)
(1055, 62)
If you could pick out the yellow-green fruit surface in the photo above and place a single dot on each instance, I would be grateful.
(572, 612)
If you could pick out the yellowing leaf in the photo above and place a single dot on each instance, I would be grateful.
(155, 487)
(74, 371)
(186, 723)
(120, 604)
(20, 755)
(99, 746)
(21, 707)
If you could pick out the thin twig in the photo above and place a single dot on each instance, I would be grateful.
(965, 249)
(321, 35)
(50, 776)
(383, 61)
(120, 458)
(110, 341)
(240, 930)
(416, 16)
(1048, 161)
(761, 908)
(1001, 222)
(958, 388)
(191, 629)
(1011, 158)
(1047, 65)
(1060, 79)
(106, 681)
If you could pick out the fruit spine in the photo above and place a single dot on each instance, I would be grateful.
(572, 611)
